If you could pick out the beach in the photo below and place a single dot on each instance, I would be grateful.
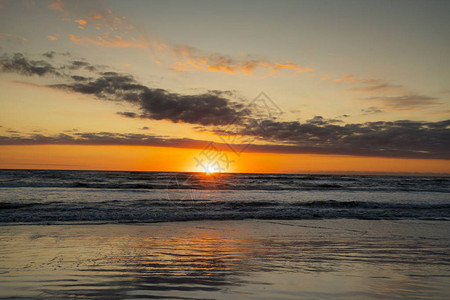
(245, 259)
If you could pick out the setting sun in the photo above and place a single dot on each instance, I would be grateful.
(209, 169)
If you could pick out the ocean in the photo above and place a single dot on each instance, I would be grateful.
(46, 197)
(157, 235)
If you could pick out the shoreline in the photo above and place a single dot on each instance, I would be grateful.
(274, 221)
(255, 259)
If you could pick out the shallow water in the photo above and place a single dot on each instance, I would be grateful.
(258, 259)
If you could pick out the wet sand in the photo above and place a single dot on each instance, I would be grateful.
(250, 259)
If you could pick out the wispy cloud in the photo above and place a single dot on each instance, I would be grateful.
(56, 5)
(378, 87)
(111, 42)
(114, 31)
(191, 59)
(347, 78)
(409, 102)
(106, 20)
(386, 96)
(12, 36)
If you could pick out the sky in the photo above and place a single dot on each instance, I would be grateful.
(225, 86)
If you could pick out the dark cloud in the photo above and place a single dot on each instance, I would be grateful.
(22, 65)
(401, 139)
(102, 138)
(390, 139)
(371, 110)
(206, 109)
(52, 54)
(319, 120)
(78, 64)
(128, 114)
(211, 108)
(49, 54)
(79, 78)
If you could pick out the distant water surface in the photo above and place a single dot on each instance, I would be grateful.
(41, 196)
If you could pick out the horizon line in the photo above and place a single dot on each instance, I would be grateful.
(366, 173)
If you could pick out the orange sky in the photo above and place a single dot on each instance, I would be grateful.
(143, 158)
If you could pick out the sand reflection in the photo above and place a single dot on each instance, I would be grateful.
(222, 260)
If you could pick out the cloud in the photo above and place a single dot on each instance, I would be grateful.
(347, 78)
(128, 114)
(206, 109)
(116, 31)
(215, 110)
(211, 108)
(405, 102)
(49, 54)
(102, 138)
(78, 64)
(22, 65)
(105, 19)
(56, 5)
(102, 19)
(399, 139)
(52, 38)
(371, 110)
(189, 58)
(295, 111)
(319, 120)
(192, 59)
(386, 95)
(114, 42)
(379, 88)
(81, 22)
(12, 36)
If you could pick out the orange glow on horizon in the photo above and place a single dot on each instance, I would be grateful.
(143, 158)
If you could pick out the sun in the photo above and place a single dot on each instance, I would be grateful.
(209, 169)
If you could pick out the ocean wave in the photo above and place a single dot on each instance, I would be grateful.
(225, 181)
(99, 196)
(184, 210)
